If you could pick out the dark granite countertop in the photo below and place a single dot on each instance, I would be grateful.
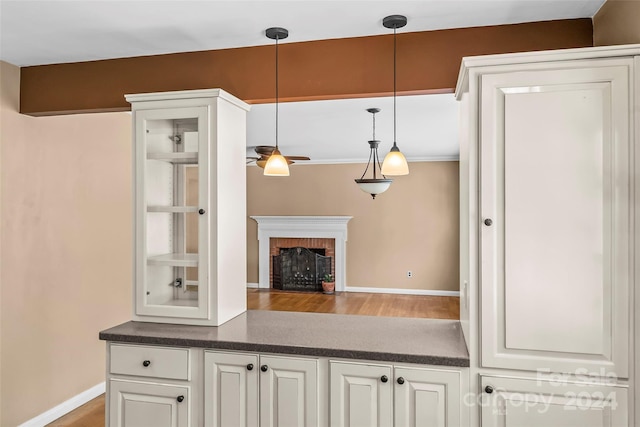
(390, 339)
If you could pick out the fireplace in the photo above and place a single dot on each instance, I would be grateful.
(314, 233)
(299, 264)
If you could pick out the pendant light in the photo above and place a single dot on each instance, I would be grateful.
(276, 164)
(394, 162)
(376, 185)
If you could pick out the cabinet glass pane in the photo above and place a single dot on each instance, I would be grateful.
(171, 200)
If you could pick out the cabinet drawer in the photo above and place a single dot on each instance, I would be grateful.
(146, 361)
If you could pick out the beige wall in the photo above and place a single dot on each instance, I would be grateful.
(65, 250)
(413, 226)
(617, 22)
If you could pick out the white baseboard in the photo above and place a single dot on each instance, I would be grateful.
(403, 291)
(253, 285)
(65, 407)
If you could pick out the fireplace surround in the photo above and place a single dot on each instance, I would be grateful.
(301, 227)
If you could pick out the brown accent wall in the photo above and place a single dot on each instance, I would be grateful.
(328, 69)
(66, 250)
(617, 22)
(413, 226)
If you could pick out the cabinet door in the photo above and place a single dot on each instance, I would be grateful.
(426, 397)
(230, 389)
(555, 214)
(532, 403)
(361, 395)
(172, 209)
(288, 392)
(140, 404)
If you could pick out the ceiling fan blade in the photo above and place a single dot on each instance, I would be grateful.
(297, 157)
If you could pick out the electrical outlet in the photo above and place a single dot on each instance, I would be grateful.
(409, 273)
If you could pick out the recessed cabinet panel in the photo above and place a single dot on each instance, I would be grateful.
(231, 389)
(426, 397)
(530, 403)
(555, 215)
(289, 395)
(139, 404)
(361, 395)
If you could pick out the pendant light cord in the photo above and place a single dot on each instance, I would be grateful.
(277, 92)
(394, 85)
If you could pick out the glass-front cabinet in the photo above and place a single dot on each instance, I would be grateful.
(190, 206)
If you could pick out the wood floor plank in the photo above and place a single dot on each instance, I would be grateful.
(422, 306)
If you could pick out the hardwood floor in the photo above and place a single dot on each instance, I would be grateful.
(91, 414)
(356, 303)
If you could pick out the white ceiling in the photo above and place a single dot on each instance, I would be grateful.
(337, 131)
(53, 31)
(56, 31)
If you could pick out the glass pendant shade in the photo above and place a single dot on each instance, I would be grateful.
(276, 165)
(395, 163)
(374, 186)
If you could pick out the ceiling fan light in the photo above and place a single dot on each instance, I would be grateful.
(395, 163)
(276, 165)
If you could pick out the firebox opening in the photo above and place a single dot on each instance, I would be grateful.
(300, 269)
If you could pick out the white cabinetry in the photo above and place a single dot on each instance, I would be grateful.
(517, 402)
(361, 395)
(280, 391)
(149, 387)
(547, 243)
(143, 404)
(364, 395)
(189, 201)
(555, 210)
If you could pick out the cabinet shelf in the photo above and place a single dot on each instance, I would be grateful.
(190, 158)
(172, 209)
(174, 260)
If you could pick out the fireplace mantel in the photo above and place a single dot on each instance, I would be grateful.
(331, 227)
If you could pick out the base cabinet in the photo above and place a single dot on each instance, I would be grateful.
(364, 395)
(143, 404)
(516, 402)
(361, 395)
(279, 391)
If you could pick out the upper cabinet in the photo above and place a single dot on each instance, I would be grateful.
(190, 206)
(547, 208)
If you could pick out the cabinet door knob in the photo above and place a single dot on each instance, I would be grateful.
(264, 368)
(180, 398)
(250, 367)
(146, 363)
(488, 222)
(201, 211)
(400, 380)
(488, 389)
(384, 378)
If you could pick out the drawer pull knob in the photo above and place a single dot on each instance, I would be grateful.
(384, 378)
(264, 368)
(488, 389)
(250, 367)
(180, 399)
(400, 380)
(146, 363)
(488, 222)
(201, 211)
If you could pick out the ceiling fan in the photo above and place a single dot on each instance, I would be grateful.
(264, 151)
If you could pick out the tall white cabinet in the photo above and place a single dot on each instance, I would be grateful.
(547, 160)
(190, 206)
